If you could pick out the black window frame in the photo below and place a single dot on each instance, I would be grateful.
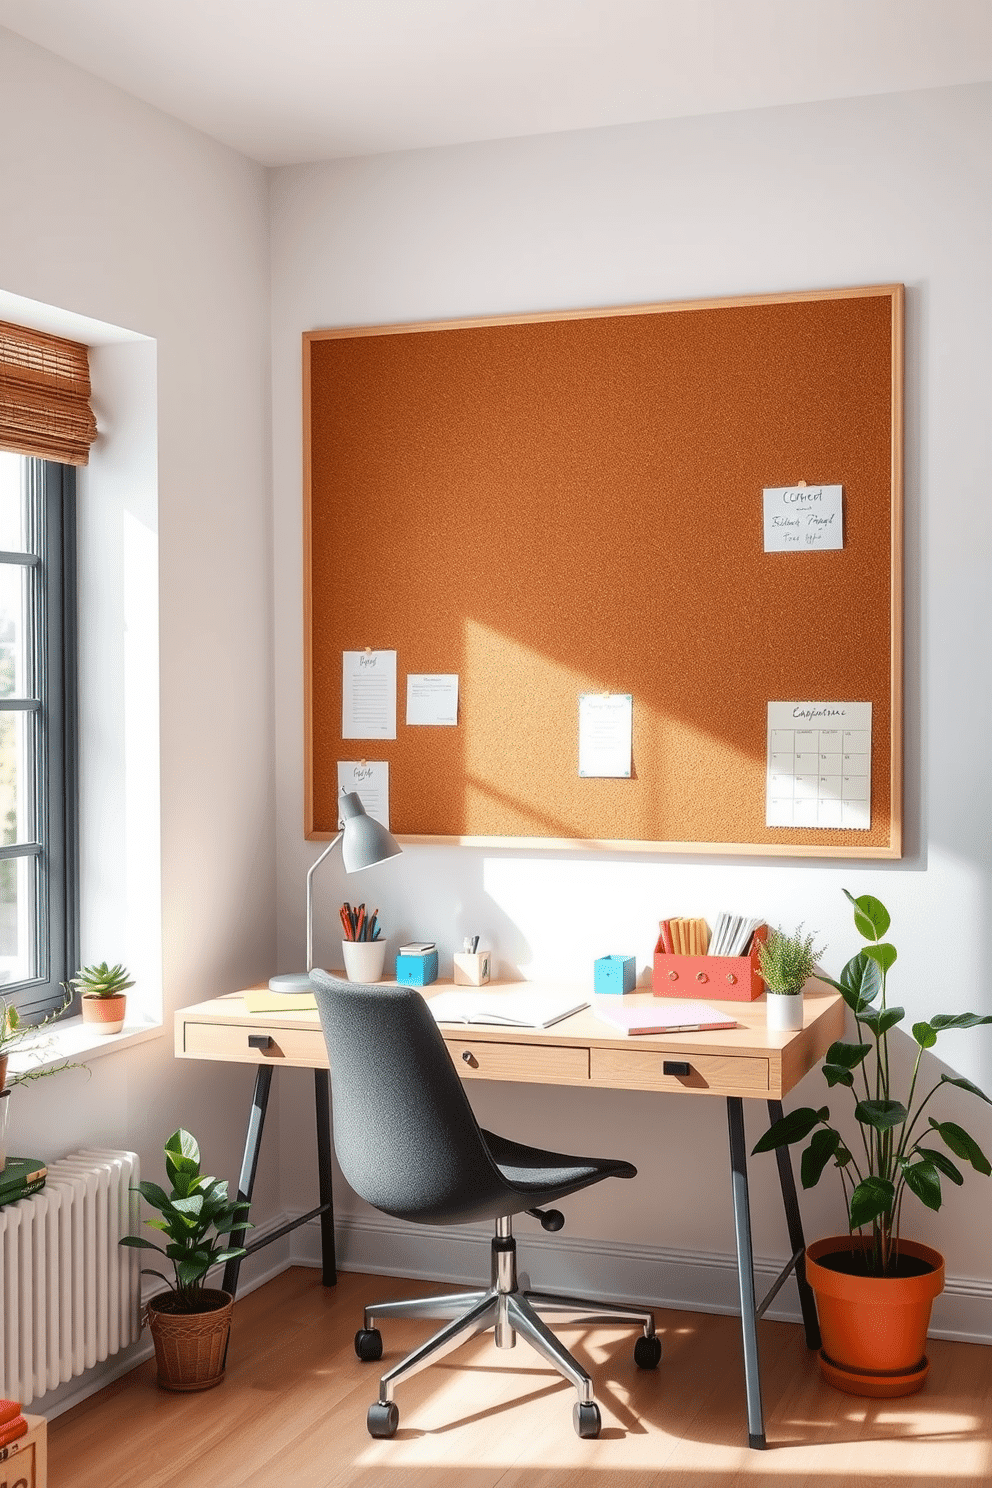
(49, 498)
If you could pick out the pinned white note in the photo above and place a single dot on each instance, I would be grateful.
(369, 779)
(803, 519)
(369, 695)
(605, 733)
(432, 698)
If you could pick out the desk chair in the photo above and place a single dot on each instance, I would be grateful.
(409, 1144)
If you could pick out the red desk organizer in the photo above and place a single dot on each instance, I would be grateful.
(727, 978)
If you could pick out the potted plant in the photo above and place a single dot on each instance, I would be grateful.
(102, 989)
(874, 1289)
(14, 1033)
(787, 962)
(190, 1322)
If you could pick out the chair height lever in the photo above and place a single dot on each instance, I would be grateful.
(551, 1219)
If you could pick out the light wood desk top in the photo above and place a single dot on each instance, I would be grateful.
(581, 1050)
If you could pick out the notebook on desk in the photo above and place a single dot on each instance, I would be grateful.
(517, 1009)
(674, 1017)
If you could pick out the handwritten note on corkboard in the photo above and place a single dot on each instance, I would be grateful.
(556, 505)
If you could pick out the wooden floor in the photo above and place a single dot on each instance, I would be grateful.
(291, 1412)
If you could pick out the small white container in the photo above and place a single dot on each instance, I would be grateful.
(471, 968)
(364, 959)
(784, 1011)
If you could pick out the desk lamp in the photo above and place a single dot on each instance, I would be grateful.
(364, 842)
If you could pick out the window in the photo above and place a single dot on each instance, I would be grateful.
(38, 789)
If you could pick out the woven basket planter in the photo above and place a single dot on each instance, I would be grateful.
(191, 1347)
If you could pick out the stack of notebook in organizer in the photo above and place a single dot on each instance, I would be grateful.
(19, 1177)
(12, 1423)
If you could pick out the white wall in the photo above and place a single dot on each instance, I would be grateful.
(869, 191)
(113, 211)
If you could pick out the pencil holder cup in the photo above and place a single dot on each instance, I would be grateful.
(471, 968)
(364, 959)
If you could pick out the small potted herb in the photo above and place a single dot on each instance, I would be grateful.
(190, 1322)
(102, 990)
(787, 963)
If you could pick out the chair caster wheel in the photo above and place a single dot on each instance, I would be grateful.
(586, 1419)
(368, 1344)
(647, 1352)
(383, 1419)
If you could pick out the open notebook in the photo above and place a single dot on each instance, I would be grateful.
(517, 1009)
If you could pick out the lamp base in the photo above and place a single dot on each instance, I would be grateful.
(291, 981)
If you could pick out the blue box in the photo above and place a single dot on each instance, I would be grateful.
(417, 971)
(615, 974)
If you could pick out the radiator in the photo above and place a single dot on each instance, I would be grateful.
(69, 1294)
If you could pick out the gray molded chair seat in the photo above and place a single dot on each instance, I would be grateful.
(408, 1142)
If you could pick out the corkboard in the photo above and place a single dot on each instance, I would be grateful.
(554, 504)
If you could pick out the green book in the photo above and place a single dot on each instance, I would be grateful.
(11, 1195)
(21, 1170)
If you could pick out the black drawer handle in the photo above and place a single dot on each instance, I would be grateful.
(676, 1067)
(260, 1041)
(469, 1058)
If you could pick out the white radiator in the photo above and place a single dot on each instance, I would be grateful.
(69, 1294)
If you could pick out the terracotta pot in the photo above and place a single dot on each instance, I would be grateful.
(191, 1347)
(104, 1014)
(874, 1328)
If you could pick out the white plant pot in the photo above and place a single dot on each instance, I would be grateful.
(364, 959)
(784, 1011)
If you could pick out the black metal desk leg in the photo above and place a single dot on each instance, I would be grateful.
(745, 1271)
(794, 1221)
(253, 1141)
(322, 1101)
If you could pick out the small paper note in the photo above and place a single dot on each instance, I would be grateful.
(369, 695)
(432, 698)
(605, 733)
(819, 765)
(369, 779)
(801, 519)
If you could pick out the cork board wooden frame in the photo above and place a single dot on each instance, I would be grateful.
(553, 504)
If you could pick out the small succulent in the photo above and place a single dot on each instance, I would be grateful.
(787, 961)
(102, 980)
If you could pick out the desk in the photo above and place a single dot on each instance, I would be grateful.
(738, 1064)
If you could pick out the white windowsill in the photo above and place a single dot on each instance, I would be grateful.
(75, 1040)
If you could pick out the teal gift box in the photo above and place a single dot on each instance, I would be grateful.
(416, 969)
(615, 974)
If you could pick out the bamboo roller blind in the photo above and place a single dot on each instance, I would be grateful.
(551, 505)
(45, 396)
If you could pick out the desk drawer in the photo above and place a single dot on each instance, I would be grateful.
(709, 1074)
(543, 1064)
(295, 1046)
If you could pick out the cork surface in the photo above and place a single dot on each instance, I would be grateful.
(557, 506)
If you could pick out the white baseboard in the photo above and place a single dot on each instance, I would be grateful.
(613, 1270)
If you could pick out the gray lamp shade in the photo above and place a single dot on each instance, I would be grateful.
(364, 841)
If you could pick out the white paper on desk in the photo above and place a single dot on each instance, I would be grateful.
(432, 697)
(369, 695)
(605, 733)
(819, 765)
(369, 779)
(803, 519)
(519, 1008)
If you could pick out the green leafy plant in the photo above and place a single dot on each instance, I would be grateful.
(102, 980)
(16, 1037)
(787, 961)
(195, 1217)
(892, 1153)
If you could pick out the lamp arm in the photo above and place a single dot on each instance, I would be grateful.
(330, 846)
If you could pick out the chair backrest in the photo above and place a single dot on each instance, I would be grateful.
(404, 1133)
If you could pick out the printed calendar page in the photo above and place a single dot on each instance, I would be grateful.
(819, 765)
